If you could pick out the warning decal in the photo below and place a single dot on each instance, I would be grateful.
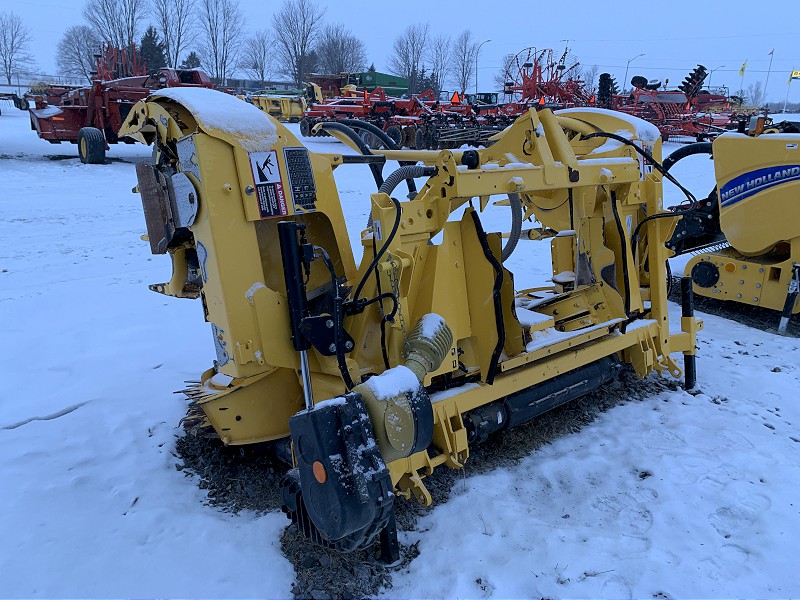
(269, 188)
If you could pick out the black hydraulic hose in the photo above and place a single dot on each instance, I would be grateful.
(374, 263)
(657, 165)
(516, 226)
(625, 278)
(373, 129)
(377, 170)
(338, 319)
(405, 172)
(387, 143)
(688, 150)
(687, 310)
(660, 168)
(387, 187)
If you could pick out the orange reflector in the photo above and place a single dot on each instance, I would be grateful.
(730, 267)
(319, 472)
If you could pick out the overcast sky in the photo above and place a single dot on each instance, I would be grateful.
(673, 36)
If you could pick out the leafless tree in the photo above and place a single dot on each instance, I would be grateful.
(76, 50)
(755, 94)
(15, 39)
(506, 73)
(589, 76)
(256, 59)
(464, 60)
(221, 26)
(176, 25)
(339, 51)
(118, 22)
(296, 26)
(439, 59)
(408, 49)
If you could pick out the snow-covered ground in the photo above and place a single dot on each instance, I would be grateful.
(676, 495)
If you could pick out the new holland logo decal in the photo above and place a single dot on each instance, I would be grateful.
(754, 182)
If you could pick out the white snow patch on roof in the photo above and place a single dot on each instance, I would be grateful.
(615, 160)
(250, 294)
(431, 324)
(644, 131)
(392, 382)
(455, 391)
(531, 317)
(225, 113)
(47, 111)
(329, 402)
(640, 324)
(550, 336)
(564, 277)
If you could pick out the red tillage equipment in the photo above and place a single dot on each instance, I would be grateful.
(91, 116)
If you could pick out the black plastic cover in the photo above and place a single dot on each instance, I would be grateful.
(355, 501)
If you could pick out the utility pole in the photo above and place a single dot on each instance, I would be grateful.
(625, 80)
(477, 51)
(711, 73)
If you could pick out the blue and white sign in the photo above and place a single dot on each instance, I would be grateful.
(754, 182)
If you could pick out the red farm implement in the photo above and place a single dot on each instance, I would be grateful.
(534, 78)
(11, 98)
(420, 122)
(91, 116)
(690, 111)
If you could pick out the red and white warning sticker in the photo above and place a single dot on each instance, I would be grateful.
(269, 187)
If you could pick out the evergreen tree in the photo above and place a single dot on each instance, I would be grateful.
(428, 81)
(192, 61)
(152, 50)
(372, 68)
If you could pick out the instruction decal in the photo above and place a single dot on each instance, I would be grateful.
(269, 187)
(301, 179)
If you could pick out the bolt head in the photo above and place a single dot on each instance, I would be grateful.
(329, 324)
(332, 348)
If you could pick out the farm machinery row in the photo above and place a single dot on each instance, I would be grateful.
(421, 122)
(91, 116)
(688, 111)
(425, 121)
(535, 79)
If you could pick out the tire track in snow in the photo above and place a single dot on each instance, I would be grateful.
(50, 417)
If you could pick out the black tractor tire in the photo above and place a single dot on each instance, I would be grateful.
(395, 133)
(305, 127)
(409, 136)
(369, 139)
(434, 138)
(419, 139)
(91, 146)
